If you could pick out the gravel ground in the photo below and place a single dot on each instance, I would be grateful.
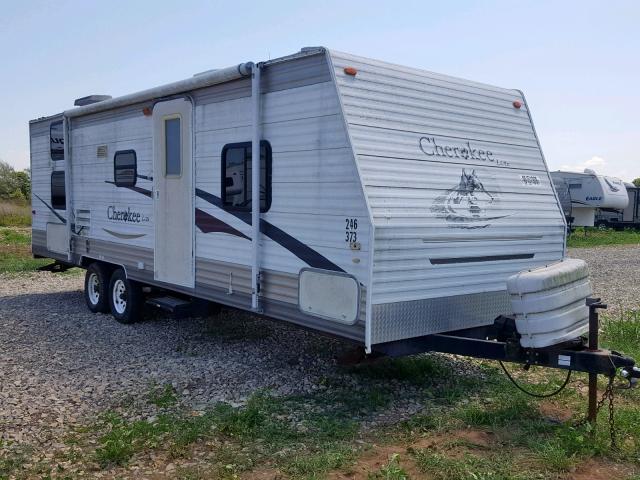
(615, 275)
(60, 365)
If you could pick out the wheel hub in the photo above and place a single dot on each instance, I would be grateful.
(93, 288)
(120, 296)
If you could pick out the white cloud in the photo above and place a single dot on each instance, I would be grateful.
(602, 167)
(596, 163)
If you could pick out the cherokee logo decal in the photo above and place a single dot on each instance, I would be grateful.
(468, 204)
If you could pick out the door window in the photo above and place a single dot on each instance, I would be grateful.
(173, 147)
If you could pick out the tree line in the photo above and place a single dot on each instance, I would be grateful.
(14, 185)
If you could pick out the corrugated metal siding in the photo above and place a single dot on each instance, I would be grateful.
(93, 190)
(315, 185)
(389, 109)
(41, 168)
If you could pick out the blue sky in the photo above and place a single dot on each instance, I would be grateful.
(578, 62)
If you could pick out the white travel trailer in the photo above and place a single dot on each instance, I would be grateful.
(588, 192)
(387, 203)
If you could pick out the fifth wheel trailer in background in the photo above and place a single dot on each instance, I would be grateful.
(588, 192)
(629, 217)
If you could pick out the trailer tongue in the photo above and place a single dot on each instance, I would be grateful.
(501, 342)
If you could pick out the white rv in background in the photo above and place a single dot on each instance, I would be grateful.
(387, 203)
(589, 192)
(629, 217)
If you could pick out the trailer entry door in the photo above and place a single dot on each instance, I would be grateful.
(173, 210)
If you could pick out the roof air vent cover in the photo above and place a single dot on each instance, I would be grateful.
(88, 100)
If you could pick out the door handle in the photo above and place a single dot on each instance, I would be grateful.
(157, 194)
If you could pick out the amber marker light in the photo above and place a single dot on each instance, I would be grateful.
(147, 111)
(350, 71)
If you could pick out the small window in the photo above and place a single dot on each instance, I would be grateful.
(236, 176)
(173, 150)
(58, 197)
(56, 141)
(575, 186)
(125, 168)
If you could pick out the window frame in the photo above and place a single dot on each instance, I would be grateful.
(51, 125)
(58, 173)
(268, 174)
(178, 117)
(135, 168)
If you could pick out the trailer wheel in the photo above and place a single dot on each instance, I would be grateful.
(125, 298)
(96, 283)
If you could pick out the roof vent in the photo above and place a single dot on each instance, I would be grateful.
(88, 100)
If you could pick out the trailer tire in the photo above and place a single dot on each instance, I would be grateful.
(125, 298)
(96, 284)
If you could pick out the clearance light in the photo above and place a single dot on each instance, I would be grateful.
(147, 111)
(350, 71)
(517, 103)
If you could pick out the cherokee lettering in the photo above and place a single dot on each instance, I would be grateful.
(430, 147)
(127, 216)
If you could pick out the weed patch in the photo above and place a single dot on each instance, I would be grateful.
(594, 237)
(14, 214)
(391, 471)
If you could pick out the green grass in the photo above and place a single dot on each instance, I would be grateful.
(312, 436)
(12, 459)
(622, 332)
(15, 251)
(391, 471)
(162, 396)
(256, 431)
(419, 369)
(593, 237)
(440, 466)
(315, 465)
(14, 214)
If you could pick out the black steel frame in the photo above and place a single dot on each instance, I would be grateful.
(500, 342)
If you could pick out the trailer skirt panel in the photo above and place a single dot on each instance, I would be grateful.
(415, 318)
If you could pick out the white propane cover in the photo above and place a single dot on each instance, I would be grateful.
(549, 303)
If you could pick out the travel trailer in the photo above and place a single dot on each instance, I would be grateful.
(629, 217)
(589, 192)
(400, 209)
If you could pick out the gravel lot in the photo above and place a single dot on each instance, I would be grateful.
(60, 364)
(615, 275)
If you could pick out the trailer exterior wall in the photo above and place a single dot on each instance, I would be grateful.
(42, 167)
(315, 188)
(436, 268)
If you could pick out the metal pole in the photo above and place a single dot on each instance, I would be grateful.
(594, 325)
(68, 186)
(255, 189)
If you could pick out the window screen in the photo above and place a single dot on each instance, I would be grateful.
(236, 176)
(56, 141)
(58, 197)
(125, 168)
(172, 146)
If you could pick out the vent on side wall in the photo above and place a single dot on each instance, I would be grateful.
(101, 151)
(83, 221)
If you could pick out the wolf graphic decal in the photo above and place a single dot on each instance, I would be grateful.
(468, 204)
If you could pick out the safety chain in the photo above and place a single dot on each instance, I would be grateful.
(608, 394)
